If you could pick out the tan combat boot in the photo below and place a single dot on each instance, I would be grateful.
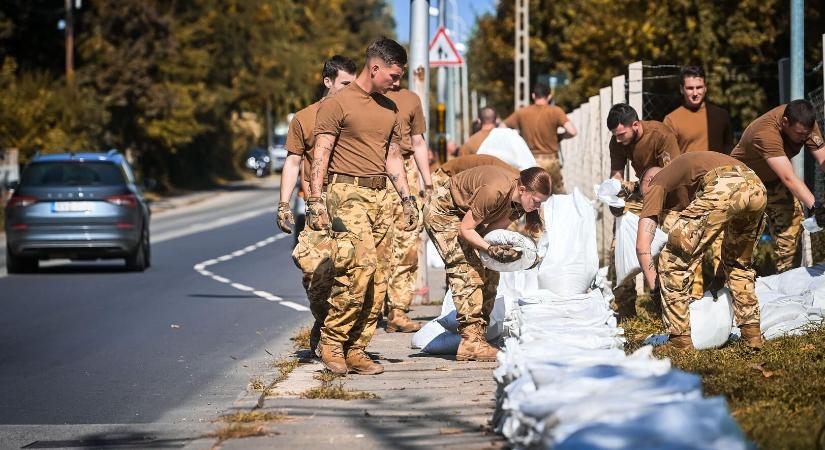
(751, 335)
(359, 362)
(332, 356)
(315, 338)
(679, 342)
(474, 346)
(398, 320)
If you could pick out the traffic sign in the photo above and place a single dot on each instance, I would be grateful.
(443, 52)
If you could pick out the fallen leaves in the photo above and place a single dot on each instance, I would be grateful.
(765, 372)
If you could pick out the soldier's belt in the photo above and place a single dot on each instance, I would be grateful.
(367, 182)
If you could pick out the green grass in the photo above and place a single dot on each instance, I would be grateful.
(777, 395)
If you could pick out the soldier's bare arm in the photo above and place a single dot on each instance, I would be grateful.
(569, 130)
(320, 161)
(467, 231)
(783, 169)
(644, 237)
(289, 176)
(422, 160)
(395, 170)
(617, 174)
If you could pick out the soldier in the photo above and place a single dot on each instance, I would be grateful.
(357, 138)
(767, 146)
(404, 272)
(462, 163)
(644, 144)
(699, 125)
(723, 195)
(314, 249)
(538, 124)
(486, 197)
(487, 118)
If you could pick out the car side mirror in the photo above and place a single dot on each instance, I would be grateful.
(12, 185)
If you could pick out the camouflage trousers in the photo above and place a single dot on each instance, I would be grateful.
(730, 200)
(361, 224)
(784, 223)
(314, 255)
(404, 271)
(553, 166)
(439, 178)
(473, 285)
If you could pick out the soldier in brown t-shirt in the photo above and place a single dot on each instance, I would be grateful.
(487, 197)
(698, 124)
(539, 124)
(404, 271)
(487, 118)
(644, 144)
(357, 136)
(723, 195)
(767, 146)
(313, 251)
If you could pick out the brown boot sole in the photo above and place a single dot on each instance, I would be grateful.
(366, 372)
(391, 329)
(474, 358)
(337, 372)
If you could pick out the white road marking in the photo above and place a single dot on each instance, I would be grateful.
(201, 269)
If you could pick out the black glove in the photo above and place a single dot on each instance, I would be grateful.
(715, 285)
(617, 211)
(818, 211)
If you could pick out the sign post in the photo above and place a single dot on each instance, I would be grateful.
(443, 54)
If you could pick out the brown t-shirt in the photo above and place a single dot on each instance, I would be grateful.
(763, 139)
(539, 125)
(674, 187)
(486, 191)
(656, 147)
(473, 143)
(299, 138)
(363, 125)
(707, 128)
(462, 163)
(410, 117)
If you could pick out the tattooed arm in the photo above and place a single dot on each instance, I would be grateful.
(320, 161)
(395, 170)
(644, 237)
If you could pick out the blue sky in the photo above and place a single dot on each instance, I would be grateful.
(467, 11)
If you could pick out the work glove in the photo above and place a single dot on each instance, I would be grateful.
(716, 284)
(410, 213)
(285, 218)
(504, 253)
(317, 216)
(617, 211)
(818, 211)
(656, 300)
(628, 189)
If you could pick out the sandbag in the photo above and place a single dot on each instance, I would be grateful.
(519, 241)
(571, 259)
(433, 258)
(432, 338)
(508, 146)
(711, 320)
(627, 263)
(448, 320)
(608, 193)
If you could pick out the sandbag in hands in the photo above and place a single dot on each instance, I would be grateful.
(527, 258)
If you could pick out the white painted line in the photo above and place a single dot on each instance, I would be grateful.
(200, 268)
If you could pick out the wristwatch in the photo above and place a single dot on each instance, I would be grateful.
(412, 197)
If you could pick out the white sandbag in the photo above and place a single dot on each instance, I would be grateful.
(520, 242)
(711, 320)
(608, 193)
(571, 259)
(508, 145)
(427, 333)
(432, 338)
(627, 263)
(449, 321)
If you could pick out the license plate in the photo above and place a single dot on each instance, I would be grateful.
(59, 207)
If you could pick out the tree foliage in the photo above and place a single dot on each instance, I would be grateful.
(184, 86)
(738, 42)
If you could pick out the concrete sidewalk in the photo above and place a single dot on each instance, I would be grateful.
(423, 402)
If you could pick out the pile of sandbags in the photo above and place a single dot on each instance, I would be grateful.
(791, 302)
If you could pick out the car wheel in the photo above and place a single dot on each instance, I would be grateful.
(18, 264)
(137, 261)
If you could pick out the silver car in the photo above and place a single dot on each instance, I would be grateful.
(81, 206)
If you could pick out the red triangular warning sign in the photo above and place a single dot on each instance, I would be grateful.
(442, 50)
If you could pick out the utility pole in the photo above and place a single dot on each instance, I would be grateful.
(797, 68)
(522, 78)
(441, 93)
(69, 43)
(465, 103)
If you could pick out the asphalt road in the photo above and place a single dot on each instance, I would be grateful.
(89, 347)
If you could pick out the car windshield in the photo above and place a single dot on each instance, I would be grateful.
(72, 173)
